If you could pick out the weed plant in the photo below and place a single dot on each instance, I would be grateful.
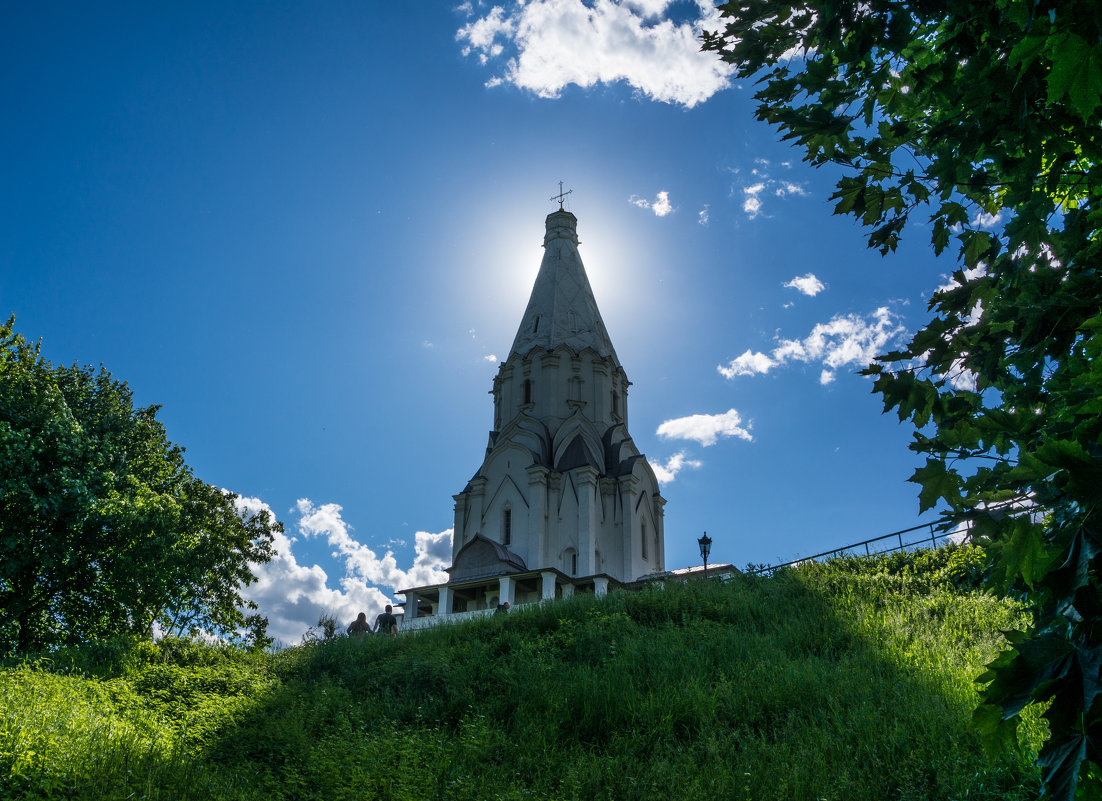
(846, 680)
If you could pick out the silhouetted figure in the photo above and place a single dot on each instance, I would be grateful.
(386, 623)
(502, 609)
(359, 627)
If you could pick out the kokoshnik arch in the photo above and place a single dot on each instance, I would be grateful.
(563, 502)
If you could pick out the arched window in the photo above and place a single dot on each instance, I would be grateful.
(527, 391)
(643, 539)
(615, 403)
(570, 561)
(507, 535)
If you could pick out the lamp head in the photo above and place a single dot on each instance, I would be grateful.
(705, 544)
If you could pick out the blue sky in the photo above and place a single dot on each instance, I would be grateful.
(309, 231)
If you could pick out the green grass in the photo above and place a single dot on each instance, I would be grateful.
(850, 680)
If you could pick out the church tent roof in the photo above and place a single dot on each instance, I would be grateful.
(562, 309)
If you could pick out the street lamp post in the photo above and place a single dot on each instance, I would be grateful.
(705, 544)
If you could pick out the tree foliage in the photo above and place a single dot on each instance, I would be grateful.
(103, 528)
(982, 123)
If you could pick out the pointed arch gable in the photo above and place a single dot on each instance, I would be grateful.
(506, 450)
(501, 488)
(528, 432)
(641, 468)
(577, 439)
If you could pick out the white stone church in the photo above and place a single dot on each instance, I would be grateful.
(563, 501)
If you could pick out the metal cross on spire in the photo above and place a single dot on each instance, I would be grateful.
(561, 196)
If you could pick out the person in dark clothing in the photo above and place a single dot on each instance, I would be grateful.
(386, 623)
(502, 609)
(359, 627)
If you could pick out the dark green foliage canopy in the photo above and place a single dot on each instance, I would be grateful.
(103, 528)
(984, 119)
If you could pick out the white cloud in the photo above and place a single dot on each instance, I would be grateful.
(960, 377)
(361, 562)
(988, 221)
(848, 340)
(293, 596)
(665, 473)
(969, 274)
(543, 46)
(705, 428)
(661, 205)
(783, 188)
(702, 216)
(807, 284)
(748, 363)
(490, 357)
(752, 195)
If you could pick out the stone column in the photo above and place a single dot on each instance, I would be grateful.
(600, 586)
(458, 529)
(660, 522)
(629, 496)
(506, 586)
(476, 500)
(588, 518)
(537, 517)
(548, 588)
(411, 605)
(444, 606)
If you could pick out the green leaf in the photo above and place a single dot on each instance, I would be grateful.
(1076, 72)
(937, 482)
(1024, 552)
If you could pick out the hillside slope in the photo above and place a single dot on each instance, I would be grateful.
(851, 680)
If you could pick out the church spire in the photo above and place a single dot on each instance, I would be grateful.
(562, 309)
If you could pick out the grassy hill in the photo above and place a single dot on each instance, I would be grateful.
(850, 680)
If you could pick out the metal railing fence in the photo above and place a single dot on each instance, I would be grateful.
(935, 531)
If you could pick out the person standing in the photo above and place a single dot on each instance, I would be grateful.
(359, 627)
(386, 623)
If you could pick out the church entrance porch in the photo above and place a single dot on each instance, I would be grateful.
(477, 596)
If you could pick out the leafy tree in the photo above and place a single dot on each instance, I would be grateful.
(985, 120)
(103, 528)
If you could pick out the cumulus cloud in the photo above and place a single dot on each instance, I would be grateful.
(432, 551)
(749, 363)
(849, 340)
(661, 205)
(706, 428)
(665, 473)
(491, 357)
(807, 284)
(543, 46)
(294, 596)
